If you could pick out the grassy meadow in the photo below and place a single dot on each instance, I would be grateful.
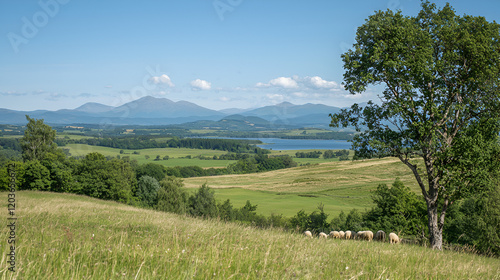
(338, 185)
(63, 236)
(177, 155)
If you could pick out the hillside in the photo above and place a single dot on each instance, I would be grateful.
(61, 236)
(340, 186)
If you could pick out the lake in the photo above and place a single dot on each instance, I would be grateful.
(303, 144)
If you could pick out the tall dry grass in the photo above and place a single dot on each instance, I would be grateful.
(63, 236)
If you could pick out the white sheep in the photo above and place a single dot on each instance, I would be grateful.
(380, 236)
(365, 235)
(334, 234)
(341, 234)
(348, 234)
(393, 238)
(308, 234)
(323, 235)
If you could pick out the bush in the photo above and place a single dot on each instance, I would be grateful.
(202, 203)
(147, 191)
(171, 196)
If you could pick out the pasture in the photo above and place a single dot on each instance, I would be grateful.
(64, 236)
(338, 185)
(178, 155)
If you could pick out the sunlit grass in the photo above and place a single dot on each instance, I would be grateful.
(63, 236)
(338, 185)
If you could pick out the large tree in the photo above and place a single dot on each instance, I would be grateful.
(440, 108)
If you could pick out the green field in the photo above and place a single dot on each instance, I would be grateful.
(175, 155)
(63, 236)
(338, 185)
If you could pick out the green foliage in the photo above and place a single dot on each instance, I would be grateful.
(328, 154)
(202, 203)
(315, 221)
(154, 170)
(397, 209)
(171, 196)
(38, 140)
(441, 73)
(314, 154)
(147, 190)
(5, 176)
(247, 213)
(226, 211)
(105, 179)
(35, 176)
(475, 221)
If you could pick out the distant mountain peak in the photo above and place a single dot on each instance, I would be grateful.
(285, 104)
(93, 107)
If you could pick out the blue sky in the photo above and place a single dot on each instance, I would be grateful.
(219, 54)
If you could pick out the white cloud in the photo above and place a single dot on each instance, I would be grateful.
(303, 84)
(283, 82)
(319, 83)
(200, 85)
(163, 80)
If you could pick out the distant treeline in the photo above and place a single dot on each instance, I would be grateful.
(341, 154)
(148, 142)
(258, 163)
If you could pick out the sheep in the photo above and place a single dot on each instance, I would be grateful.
(365, 235)
(334, 234)
(393, 238)
(380, 236)
(359, 235)
(323, 235)
(308, 234)
(341, 234)
(348, 234)
(354, 235)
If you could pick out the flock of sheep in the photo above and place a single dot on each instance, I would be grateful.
(362, 235)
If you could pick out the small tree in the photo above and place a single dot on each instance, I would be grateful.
(171, 196)
(202, 203)
(38, 140)
(147, 190)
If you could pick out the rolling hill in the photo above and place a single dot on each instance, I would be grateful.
(63, 236)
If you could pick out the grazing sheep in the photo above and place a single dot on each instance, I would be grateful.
(393, 238)
(308, 234)
(348, 234)
(334, 234)
(365, 235)
(369, 235)
(380, 236)
(323, 235)
(359, 235)
(341, 234)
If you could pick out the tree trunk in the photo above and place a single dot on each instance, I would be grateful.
(435, 226)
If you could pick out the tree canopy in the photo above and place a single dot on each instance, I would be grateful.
(38, 140)
(441, 104)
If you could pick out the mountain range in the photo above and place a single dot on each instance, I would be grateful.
(161, 111)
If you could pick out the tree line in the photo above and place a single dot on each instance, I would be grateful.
(148, 142)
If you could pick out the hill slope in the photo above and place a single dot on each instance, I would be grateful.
(62, 236)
